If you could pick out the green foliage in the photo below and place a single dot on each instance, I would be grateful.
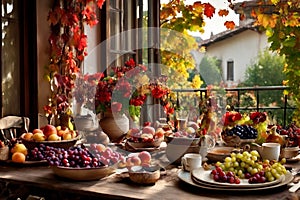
(210, 71)
(283, 30)
(266, 71)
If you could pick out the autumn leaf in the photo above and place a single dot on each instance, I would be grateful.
(223, 12)
(198, 6)
(275, 1)
(229, 25)
(209, 10)
(100, 3)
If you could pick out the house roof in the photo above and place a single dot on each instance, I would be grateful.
(227, 34)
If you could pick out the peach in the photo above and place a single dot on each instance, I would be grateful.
(54, 137)
(160, 132)
(145, 157)
(67, 136)
(148, 129)
(27, 136)
(37, 130)
(100, 147)
(60, 132)
(133, 132)
(18, 157)
(147, 136)
(133, 161)
(49, 129)
(39, 137)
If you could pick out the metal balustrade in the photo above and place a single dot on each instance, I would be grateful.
(239, 91)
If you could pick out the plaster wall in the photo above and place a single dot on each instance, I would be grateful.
(242, 49)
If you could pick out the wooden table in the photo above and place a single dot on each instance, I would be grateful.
(40, 181)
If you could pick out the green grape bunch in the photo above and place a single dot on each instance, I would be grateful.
(249, 164)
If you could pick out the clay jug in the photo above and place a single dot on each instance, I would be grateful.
(115, 125)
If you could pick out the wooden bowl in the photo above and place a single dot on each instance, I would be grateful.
(30, 144)
(289, 152)
(219, 153)
(83, 174)
(235, 141)
(144, 175)
(140, 145)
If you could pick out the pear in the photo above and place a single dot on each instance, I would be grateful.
(275, 137)
(19, 147)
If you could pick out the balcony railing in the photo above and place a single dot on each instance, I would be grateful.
(241, 90)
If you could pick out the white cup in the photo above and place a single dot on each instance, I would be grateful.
(191, 161)
(270, 151)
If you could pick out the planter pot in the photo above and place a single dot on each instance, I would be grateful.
(115, 126)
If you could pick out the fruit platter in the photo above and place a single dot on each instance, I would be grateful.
(243, 171)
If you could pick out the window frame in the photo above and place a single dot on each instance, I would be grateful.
(230, 70)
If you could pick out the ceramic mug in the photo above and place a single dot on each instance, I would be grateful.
(191, 161)
(270, 151)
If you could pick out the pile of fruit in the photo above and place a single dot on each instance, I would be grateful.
(243, 131)
(250, 166)
(95, 155)
(146, 134)
(49, 133)
(142, 158)
(191, 131)
(18, 152)
(292, 131)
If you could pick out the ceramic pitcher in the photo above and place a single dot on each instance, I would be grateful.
(207, 142)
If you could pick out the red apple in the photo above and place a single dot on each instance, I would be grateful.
(148, 129)
(49, 129)
(147, 123)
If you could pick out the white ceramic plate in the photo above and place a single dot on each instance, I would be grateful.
(204, 176)
(187, 178)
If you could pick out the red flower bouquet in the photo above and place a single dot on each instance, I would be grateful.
(125, 88)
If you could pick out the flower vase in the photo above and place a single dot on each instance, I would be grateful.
(115, 125)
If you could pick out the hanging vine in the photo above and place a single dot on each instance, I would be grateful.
(68, 44)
